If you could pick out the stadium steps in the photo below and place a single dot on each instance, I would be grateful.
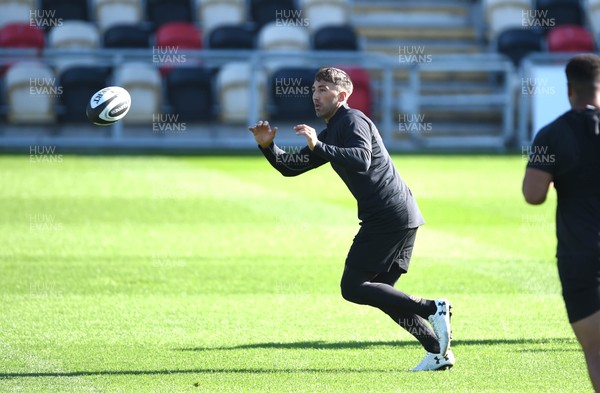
(457, 104)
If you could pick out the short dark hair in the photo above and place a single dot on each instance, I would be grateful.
(336, 76)
(583, 74)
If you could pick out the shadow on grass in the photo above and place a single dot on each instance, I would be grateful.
(372, 344)
(304, 345)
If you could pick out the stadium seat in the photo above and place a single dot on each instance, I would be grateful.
(231, 37)
(291, 94)
(67, 9)
(275, 37)
(335, 38)
(517, 43)
(21, 35)
(12, 11)
(182, 35)
(233, 89)
(190, 93)
(143, 82)
(31, 92)
(570, 38)
(79, 84)
(110, 13)
(215, 13)
(501, 15)
(127, 36)
(165, 11)
(361, 97)
(322, 13)
(267, 11)
(74, 34)
(562, 12)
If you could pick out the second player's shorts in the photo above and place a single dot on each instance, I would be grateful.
(580, 279)
(377, 251)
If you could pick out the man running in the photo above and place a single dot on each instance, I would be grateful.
(389, 214)
(567, 152)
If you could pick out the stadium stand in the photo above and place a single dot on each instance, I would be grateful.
(430, 58)
(21, 35)
(322, 13)
(126, 36)
(215, 13)
(143, 82)
(110, 13)
(31, 93)
(231, 37)
(79, 83)
(570, 38)
(593, 13)
(335, 38)
(516, 43)
(16, 11)
(190, 93)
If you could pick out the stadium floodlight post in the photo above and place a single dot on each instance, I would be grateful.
(254, 94)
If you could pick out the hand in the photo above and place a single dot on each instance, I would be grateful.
(263, 134)
(309, 133)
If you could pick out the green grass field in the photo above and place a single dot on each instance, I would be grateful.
(217, 274)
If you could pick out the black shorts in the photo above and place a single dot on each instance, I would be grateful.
(580, 279)
(378, 251)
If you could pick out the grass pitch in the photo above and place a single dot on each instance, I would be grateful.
(216, 274)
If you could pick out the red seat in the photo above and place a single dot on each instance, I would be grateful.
(21, 35)
(361, 94)
(179, 35)
(570, 38)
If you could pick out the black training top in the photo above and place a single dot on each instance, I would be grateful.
(569, 149)
(353, 146)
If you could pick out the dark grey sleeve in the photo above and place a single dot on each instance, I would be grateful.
(355, 154)
(292, 164)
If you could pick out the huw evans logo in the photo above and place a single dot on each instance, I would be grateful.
(536, 86)
(537, 155)
(293, 156)
(291, 87)
(44, 19)
(409, 54)
(535, 19)
(167, 55)
(413, 123)
(290, 18)
(167, 123)
(44, 86)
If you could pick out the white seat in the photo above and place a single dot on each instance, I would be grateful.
(31, 93)
(17, 11)
(322, 13)
(286, 38)
(214, 13)
(143, 82)
(75, 35)
(114, 12)
(233, 86)
(504, 14)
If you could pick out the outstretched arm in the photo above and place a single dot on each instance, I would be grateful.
(355, 154)
(287, 163)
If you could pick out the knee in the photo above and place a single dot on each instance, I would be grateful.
(349, 291)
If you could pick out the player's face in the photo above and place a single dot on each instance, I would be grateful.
(326, 97)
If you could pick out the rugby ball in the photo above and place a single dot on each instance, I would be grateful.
(108, 105)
